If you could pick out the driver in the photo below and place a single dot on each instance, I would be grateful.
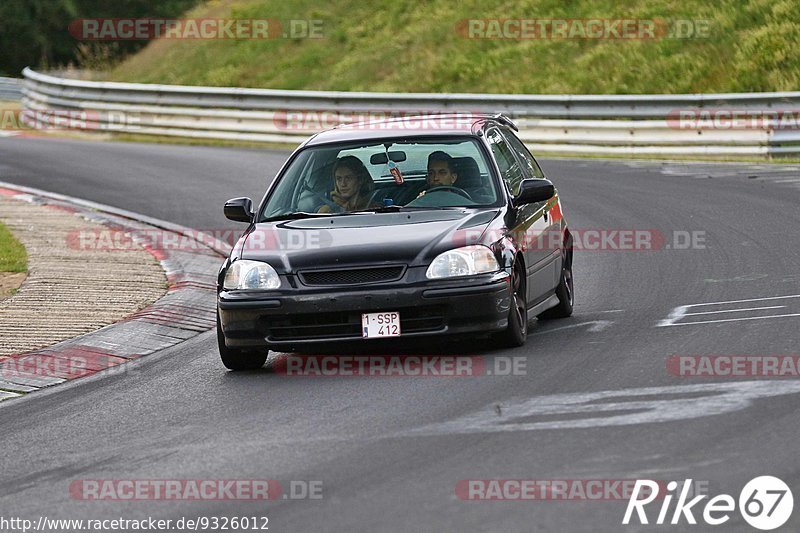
(441, 171)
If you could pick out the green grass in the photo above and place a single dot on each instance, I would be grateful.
(13, 257)
(400, 45)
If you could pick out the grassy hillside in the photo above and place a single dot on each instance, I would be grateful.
(402, 45)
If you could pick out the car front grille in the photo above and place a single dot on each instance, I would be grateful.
(346, 324)
(352, 276)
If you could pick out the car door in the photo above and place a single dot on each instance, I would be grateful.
(552, 240)
(530, 226)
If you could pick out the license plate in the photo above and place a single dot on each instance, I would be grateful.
(380, 325)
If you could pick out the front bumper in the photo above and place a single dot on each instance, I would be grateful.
(299, 317)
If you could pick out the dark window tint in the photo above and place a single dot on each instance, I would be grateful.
(510, 170)
(532, 169)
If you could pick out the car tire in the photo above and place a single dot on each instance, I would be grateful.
(237, 358)
(565, 291)
(517, 331)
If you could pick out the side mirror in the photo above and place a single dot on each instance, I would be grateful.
(239, 209)
(532, 191)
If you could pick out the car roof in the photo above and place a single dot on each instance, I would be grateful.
(427, 125)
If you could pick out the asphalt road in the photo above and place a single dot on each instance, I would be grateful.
(389, 452)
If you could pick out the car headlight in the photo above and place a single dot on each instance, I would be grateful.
(245, 274)
(466, 261)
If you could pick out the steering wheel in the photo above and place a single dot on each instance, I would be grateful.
(452, 189)
(335, 208)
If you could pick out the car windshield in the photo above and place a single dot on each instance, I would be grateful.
(390, 175)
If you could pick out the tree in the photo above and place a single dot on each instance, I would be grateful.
(35, 32)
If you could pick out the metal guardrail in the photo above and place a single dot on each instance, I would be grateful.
(602, 124)
(10, 89)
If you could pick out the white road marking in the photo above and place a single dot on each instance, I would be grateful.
(614, 408)
(596, 327)
(674, 315)
(682, 311)
(748, 300)
(734, 310)
(751, 277)
(735, 319)
(8, 133)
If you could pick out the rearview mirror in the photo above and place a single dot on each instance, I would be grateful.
(239, 209)
(532, 191)
(380, 158)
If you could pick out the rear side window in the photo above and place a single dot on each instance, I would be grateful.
(524, 156)
(510, 169)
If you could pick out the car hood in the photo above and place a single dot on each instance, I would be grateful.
(413, 238)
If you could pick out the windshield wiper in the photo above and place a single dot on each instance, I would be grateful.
(383, 209)
(395, 208)
(298, 215)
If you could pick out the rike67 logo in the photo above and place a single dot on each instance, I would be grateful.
(765, 503)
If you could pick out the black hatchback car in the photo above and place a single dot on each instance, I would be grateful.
(408, 227)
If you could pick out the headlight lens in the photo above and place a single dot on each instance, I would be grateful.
(466, 261)
(251, 275)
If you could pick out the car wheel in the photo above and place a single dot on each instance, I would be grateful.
(565, 291)
(237, 358)
(517, 331)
